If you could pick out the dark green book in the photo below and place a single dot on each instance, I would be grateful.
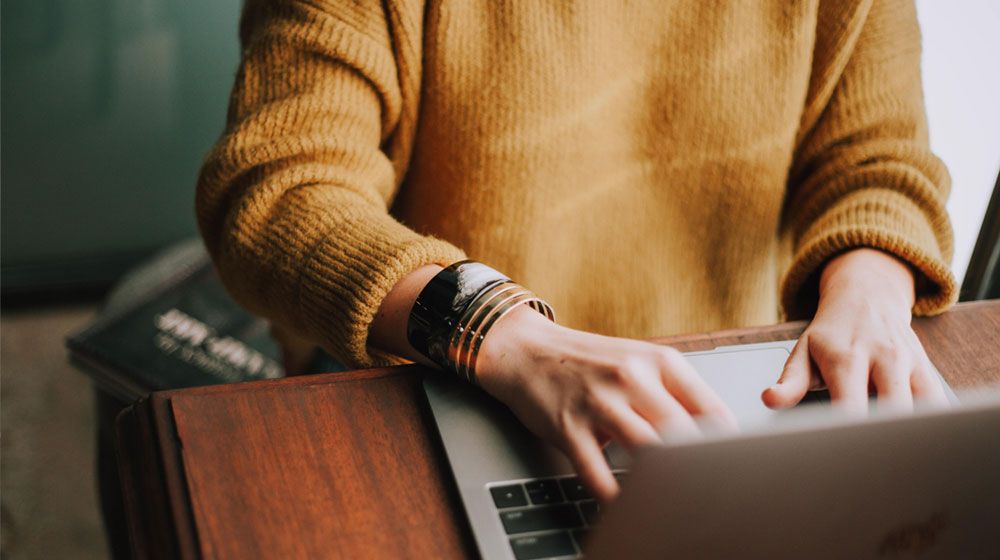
(170, 324)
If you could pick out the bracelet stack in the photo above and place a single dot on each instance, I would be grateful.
(453, 314)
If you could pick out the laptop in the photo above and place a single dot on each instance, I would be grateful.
(793, 483)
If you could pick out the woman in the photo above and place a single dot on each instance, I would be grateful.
(645, 170)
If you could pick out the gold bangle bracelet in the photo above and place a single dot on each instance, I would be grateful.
(499, 314)
(472, 344)
(482, 312)
(465, 348)
(468, 318)
(471, 319)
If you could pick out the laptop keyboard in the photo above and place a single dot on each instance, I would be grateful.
(546, 517)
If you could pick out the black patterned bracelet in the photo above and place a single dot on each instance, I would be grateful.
(436, 312)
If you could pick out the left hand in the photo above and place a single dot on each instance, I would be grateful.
(860, 340)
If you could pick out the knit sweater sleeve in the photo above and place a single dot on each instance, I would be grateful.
(863, 174)
(292, 202)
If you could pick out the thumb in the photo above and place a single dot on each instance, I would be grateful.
(794, 381)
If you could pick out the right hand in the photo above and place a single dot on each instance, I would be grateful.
(579, 390)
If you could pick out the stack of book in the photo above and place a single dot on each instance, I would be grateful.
(170, 324)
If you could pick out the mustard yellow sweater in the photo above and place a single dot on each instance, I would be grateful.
(647, 167)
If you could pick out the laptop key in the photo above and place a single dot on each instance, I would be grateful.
(574, 489)
(544, 491)
(542, 546)
(591, 511)
(546, 518)
(581, 536)
(509, 496)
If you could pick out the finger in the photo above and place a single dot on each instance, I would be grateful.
(623, 424)
(847, 378)
(927, 387)
(892, 384)
(589, 462)
(691, 392)
(925, 383)
(654, 403)
(677, 424)
(794, 381)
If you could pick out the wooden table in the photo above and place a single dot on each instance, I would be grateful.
(349, 465)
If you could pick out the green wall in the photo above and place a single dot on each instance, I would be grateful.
(107, 109)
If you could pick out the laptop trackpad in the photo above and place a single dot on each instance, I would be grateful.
(740, 376)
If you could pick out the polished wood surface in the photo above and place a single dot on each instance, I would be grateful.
(349, 465)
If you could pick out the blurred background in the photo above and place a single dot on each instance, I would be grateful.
(107, 108)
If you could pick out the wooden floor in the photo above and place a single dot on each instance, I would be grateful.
(47, 439)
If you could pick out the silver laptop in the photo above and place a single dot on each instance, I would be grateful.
(792, 484)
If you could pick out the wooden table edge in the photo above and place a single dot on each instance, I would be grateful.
(150, 422)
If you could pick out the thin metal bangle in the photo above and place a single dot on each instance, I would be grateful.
(475, 306)
(469, 351)
(466, 356)
(469, 329)
(499, 314)
(473, 316)
(484, 311)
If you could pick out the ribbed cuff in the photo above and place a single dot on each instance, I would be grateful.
(350, 274)
(879, 219)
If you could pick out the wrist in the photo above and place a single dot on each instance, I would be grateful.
(869, 273)
(388, 329)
